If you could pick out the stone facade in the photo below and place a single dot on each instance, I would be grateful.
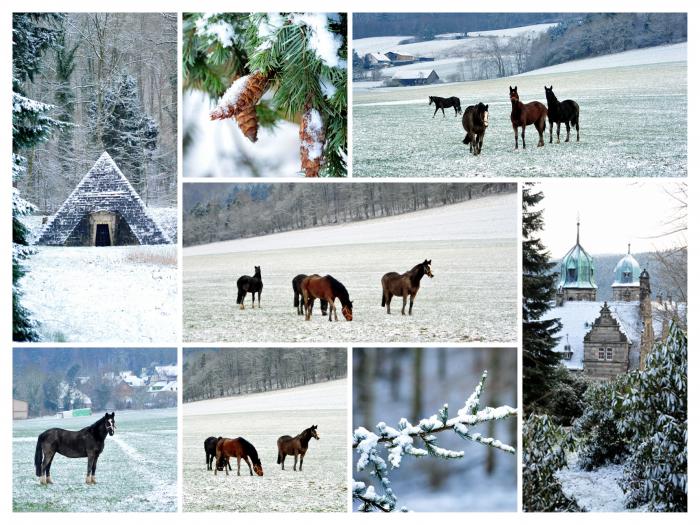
(605, 348)
(103, 206)
(647, 342)
(575, 294)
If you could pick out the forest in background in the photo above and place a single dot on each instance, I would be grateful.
(213, 373)
(221, 212)
(113, 79)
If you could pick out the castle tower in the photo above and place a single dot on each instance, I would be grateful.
(576, 281)
(646, 342)
(626, 285)
(606, 348)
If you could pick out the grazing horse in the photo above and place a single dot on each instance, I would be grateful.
(403, 285)
(247, 284)
(522, 115)
(566, 112)
(88, 442)
(328, 288)
(295, 446)
(210, 451)
(442, 103)
(299, 297)
(475, 121)
(240, 448)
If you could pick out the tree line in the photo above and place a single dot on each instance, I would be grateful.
(214, 373)
(233, 211)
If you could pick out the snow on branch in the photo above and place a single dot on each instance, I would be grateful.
(400, 441)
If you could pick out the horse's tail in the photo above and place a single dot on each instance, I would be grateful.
(383, 299)
(296, 299)
(279, 456)
(241, 294)
(467, 139)
(38, 456)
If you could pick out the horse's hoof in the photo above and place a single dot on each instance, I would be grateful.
(49, 481)
(42, 480)
(87, 480)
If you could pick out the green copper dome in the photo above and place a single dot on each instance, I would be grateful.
(577, 268)
(627, 271)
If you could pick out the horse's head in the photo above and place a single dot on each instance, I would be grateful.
(257, 468)
(110, 425)
(426, 268)
(430, 101)
(483, 110)
(347, 311)
(314, 432)
(549, 93)
(257, 271)
(514, 93)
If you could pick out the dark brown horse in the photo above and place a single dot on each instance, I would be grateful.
(299, 297)
(404, 285)
(522, 115)
(475, 121)
(210, 452)
(442, 103)
(238, 448)
(295, 446)
(247, 284)
(328, 288)
(566, 112)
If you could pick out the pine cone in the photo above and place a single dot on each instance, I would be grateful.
(312, 135)
(240, 100)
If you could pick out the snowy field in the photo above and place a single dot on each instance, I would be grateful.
(137, 472)
(106, 295)
(261, 419)
(633, 123)
(473, 296)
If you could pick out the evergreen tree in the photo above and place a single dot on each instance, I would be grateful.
(129, 134)
(32, 36)
(539, 288)
(654, 404)
(299, 57)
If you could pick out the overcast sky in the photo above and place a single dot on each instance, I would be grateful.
(612, 212)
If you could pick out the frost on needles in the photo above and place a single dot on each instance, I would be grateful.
(418, 441)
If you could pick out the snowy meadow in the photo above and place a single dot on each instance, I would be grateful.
(471, 298)
(137, 472)
(633, 118)
(261, 418)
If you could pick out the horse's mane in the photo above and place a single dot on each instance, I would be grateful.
(250, 450)
(95, 425)
(300, 434)
(338, 289)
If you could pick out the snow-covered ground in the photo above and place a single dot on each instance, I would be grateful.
(320, 487)
(595, 491)
(633, 123)
(472, 297)
(219, 148)
(531, 30)
(124, 294)
(456, 485)
(137, 472)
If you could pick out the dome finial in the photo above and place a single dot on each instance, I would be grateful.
(578, 223)
(628, 248)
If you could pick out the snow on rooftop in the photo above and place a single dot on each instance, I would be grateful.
(410, 74)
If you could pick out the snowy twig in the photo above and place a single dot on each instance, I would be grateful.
(401, 442)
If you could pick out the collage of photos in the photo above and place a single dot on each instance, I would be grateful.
(234, 293)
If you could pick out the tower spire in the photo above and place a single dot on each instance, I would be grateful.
(578, 223)
(628, 248)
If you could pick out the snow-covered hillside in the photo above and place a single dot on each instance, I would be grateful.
(137, 472)
(320, 487)
(472, 297)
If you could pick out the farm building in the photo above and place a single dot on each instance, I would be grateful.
(103, 210)
(20, 409)
(416, 77)
(376, 60)
(400, 58)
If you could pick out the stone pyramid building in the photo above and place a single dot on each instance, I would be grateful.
(103, 210)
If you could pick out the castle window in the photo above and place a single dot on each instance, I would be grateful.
(568, 354)
(571, 274)
(601, 354)
(608, 354)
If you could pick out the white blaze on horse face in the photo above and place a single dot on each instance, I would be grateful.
(486, 119)
(111, 427)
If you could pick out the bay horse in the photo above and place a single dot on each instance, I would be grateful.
(247, 284)
(241, 449)
(88, 442)
(328, 288)
(403, 285)
(442, 103)
(295, 446)
(566, 112)
(475, 121)
(210, 452)
(522, 115)
(299, 297)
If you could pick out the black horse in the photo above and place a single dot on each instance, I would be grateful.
(210, 451)
(299, 297)
(247, 284)
(475, 121)
(442, 103)
(566, 112)
(88, 442)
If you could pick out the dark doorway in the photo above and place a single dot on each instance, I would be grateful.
(102, 235)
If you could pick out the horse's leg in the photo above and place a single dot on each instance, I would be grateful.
(436, 110)
(403, 308)
(540, 130)
(283, 458)
(90, 458)
(410, 308)
(238, 460)
(551, 125)
(295, 461)
(523, 135)
(301, 462)
(307, 310)
(443, 112)
(46, 468)
(388, 302)
(568, 131)
(248, 463)
(94, 466)
(49, 481)
(515, 132)
(259, 294)
(558, 137)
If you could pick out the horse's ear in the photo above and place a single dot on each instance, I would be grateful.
(112, 415)
(487, 107)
